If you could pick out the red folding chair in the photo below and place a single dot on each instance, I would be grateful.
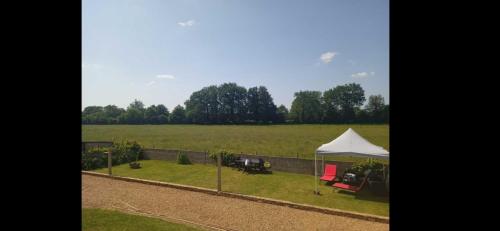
(330, 173)
(352, 188)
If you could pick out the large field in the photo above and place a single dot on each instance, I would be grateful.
(275, 140)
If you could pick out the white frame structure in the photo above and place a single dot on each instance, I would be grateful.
(349, 143)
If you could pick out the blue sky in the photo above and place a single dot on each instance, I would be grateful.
(160, 51)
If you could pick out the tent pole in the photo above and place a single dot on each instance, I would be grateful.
(323, 164)
(315, 173)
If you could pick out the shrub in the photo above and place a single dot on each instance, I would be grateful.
(376, 168)
(227, 157)
(182, 158)
(124, 152)
(135, 165)
(94, 158)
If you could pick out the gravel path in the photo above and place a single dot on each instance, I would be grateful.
(211, 210)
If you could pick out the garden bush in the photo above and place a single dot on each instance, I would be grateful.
(94, 158)
(126, 152)
(123, 152)
(227, 157)
(182, 158)
(359, 168)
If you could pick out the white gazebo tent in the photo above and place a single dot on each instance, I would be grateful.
(349, 143)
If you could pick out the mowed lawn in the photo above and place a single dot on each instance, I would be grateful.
(278, 185)
(272, 140)
(108, 220)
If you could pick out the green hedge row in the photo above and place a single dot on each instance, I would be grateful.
(124, 152)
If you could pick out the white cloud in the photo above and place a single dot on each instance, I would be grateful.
(151, 83)
(163, 76)
(362, 74)
(187, 23)
(328, 56)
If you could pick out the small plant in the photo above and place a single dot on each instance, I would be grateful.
(227, 157)
(182, 158)
(135, 165)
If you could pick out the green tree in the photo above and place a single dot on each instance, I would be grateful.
(232, 99)
(306, 107)
(212, 94)
(178, 115)
(282, 114)
(132, 116)
(268, 108)
(113, 111)
(91, 110)
(162, 110)
(260, 105)
(362, 116)
(346, 98)
(253, 104)
(163, 119)
(95, 115)
(385, 114)
(197, 110)
(162, 114)
(203, 106)
(375, 108)
(151, 115)
(136, 105)
(330, 109)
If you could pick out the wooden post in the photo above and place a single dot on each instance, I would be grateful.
(109, 163)
(219, 157)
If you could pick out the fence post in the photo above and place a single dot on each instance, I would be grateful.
(109, 163)
(219, 157)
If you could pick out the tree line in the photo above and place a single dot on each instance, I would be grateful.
(229, 103)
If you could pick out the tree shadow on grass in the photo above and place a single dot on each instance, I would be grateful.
(253, 172)
(366, 194)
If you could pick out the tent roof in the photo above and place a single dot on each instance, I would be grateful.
(351, 143)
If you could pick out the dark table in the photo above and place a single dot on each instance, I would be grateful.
(257, 164)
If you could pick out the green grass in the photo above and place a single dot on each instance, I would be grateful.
(107, 220)
(273, 140)
(278, 185)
